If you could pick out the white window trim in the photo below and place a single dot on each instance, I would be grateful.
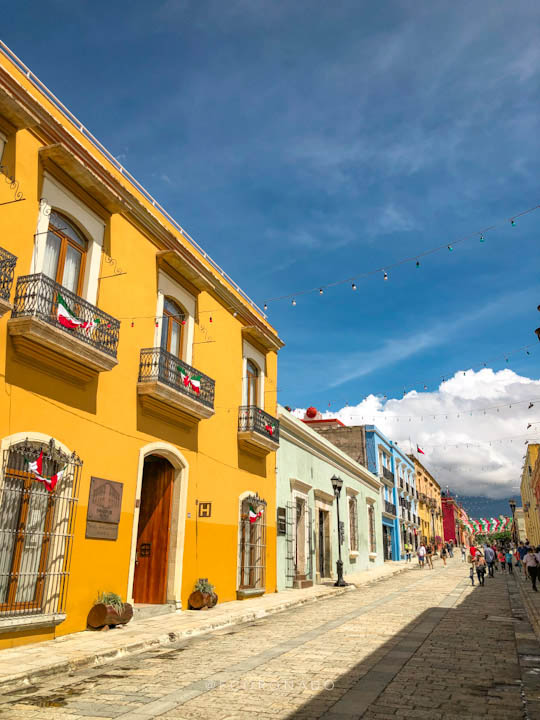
(257, 357)
(3, 142)
(371, 502)
(56, 197)
(352, 495)
(168, 287)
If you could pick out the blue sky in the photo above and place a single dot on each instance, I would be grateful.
(303, 142)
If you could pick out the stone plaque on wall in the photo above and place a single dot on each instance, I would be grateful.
(104, 506)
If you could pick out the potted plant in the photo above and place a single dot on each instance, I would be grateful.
(203, 595)
(109, 610)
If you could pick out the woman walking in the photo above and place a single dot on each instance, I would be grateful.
(480, 565)
(444, 555)
(530, 561)
(509, 561)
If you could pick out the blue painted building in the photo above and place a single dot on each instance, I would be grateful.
(400, 497)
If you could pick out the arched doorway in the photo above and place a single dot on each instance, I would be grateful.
(153, 532)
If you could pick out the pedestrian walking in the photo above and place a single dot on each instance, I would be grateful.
(463, 553)
(490, 557)
(522, 551)
(421, 554)
(531, 563)
(501, 557)
(451, 549)
(429, 556)
(471, 569)
(408, 552)
(509, 562)
(480, 565)
(472, 551)
(444, 555)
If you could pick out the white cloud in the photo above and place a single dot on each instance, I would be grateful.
(472, 429)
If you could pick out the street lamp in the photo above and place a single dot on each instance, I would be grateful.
(513, 509)
(337, 484)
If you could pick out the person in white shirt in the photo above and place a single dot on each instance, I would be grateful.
(531, 561)
(421, 554)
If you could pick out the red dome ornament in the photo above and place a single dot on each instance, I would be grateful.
(311, 413)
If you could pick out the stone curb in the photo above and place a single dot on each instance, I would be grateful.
(532, 611)
(8, 683)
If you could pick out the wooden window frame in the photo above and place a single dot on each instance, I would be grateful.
(15, 567)
(66, 241)
(179, 320)
(250, 376)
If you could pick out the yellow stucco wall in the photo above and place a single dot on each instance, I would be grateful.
(103, 421)
(426, 483)
(528, 497)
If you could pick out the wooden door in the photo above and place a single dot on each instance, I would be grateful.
(150, 581)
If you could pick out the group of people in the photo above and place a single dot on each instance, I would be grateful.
(491, 558)
(426, 552)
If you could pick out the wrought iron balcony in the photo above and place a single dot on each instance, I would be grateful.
(7, 270)
(87, 341)
(257, 429)
(389, 508)
(170, 386)
(388, 474)
(401, 485)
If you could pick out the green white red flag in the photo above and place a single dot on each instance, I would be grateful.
(36, 468)
(253, 516)
(189, 381)
(69, 320)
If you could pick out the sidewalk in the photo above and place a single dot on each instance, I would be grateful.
(28, 664)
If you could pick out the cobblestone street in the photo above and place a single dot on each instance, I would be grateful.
(424, 644)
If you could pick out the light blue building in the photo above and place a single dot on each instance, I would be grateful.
(397, 473)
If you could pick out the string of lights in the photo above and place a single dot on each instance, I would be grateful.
(384, 269)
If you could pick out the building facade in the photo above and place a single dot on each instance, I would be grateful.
(138, 408)
(429, 504)
(530, 493)
(367, 445)
(453, 521)
(307, 525)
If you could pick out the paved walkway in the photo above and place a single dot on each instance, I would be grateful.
(423, 644)
(22, 665)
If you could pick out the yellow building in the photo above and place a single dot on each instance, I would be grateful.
(137, 389)
(429, 503)
(528, 497)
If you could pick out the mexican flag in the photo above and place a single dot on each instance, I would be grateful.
(419, 450)
(36, 467)
(70, 321)
(253, 515)
(270, 429)
(192, 381)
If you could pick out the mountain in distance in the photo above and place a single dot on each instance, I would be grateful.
(483, 507)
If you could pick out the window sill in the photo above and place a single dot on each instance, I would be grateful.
(372, 556)
(245, 593)
(30, 622)
(353, 553)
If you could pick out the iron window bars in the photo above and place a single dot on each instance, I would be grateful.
(252, 544)
(253, 418)
(37, 296)
(160, 365)
(388, 474)
(7, 269)
(371, 528)
(389, 507)
(36, 530)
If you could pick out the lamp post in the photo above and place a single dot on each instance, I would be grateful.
(337, 484)
(513, 509)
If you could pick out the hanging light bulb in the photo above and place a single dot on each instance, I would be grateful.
(450, 248)
(353, 286)
(482, 238)
(385, 276)
(265, 306)
(512, 222)
(321, 291)
(418, 263)
(294, 302)
(425, 387)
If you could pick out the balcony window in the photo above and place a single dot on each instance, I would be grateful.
(252, 383)
(65, 253)
(371, 529)
(172, 328)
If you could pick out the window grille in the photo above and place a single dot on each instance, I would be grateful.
(353, 524)
(371, 526)
(253, 544)
(36, 530)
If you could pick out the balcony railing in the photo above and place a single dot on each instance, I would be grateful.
(401, 484)
(37, 296)
(254, 419)
(7, 269)
(389, 507)
(388, 474)
(158, 365)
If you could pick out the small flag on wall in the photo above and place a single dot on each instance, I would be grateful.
(419, 450)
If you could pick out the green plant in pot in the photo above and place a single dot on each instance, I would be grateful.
(203, 595)
(109, 610)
